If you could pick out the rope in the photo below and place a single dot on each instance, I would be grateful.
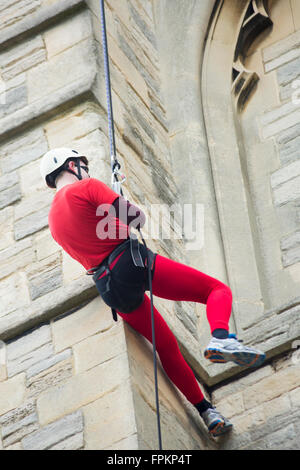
(115, 167)
(111, 131)
(154, 346)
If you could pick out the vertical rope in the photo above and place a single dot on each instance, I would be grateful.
(115, 164)
(154, 346)
(111, 130)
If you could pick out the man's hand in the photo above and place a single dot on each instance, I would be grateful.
(129, 213)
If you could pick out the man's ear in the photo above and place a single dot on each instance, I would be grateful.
(71, 165)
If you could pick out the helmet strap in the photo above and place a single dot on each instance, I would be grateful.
(79, 175)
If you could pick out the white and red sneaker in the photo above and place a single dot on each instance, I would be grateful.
(231, 349)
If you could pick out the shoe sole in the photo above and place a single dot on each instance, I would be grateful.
(220, 428)
(250, 359)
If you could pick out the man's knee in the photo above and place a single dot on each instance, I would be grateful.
(222, 288)
(226, 289)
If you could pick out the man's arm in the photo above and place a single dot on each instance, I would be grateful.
(129, 213)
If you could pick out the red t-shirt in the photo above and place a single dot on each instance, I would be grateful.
(80, 224)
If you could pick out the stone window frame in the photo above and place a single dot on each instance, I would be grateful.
(222, 104)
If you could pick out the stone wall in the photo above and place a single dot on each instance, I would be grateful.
(282, 124)
(257, 145)
(64, 380)
(61, 345)
(71, 378)
(264, 407)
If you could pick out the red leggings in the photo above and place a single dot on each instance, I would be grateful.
(176, 281)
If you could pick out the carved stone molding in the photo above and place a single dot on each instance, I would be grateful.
(256, 21)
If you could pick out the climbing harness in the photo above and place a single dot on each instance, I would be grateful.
(123, 292)
(117, 181)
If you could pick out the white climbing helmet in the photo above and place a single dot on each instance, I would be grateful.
(54, 159)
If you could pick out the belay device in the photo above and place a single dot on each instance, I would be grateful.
(117, 180)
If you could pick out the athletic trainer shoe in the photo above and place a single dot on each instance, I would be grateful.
(215, 422)
(231, 349)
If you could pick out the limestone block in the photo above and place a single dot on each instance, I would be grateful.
(271, 387)
(287, 192)
(9, 196)
(69, 91)
(22, 57)
(13, 293)
(285, 174)
(23, 149)
(13, 12)
(283, 439)
(54, 433)
(12, 433)
(64, 35)
(80, 121)
(109, 419)
(142, 119)
(242, 423)
(18, 348)
(75, 442)
(44, 276)
(231, 405)
(119, 112)
(82, 389)
(135, 54)
(144, 36)
(292, 256)
(25, 15)
(33, 185)
(13, 417)
(50, 377)
(129, 443)
(12, 393)
(45, 282)
(242, 384)
(33, 202)
(132, 75)
(29, 313)
(276, 407)
(48, 362)
(120, 9)
(279, 48)
(288, 72)
(291, 241)
(15, 257)
(6, 228)
(45, 245)
(29, 359)
(14, 96)
(52, 75)
(177, 434)
(283, 59)
(31, 223)
(8, 180)
(288, 120)
(87, 321)
(71, 269)
(276, 114)
(99, 348)
(288, 142)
